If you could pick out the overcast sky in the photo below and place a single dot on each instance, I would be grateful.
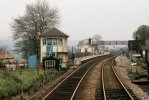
(80, 19)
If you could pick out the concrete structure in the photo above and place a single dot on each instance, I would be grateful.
(58, 42)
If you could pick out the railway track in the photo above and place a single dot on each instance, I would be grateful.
(112, 88)
(67, 89)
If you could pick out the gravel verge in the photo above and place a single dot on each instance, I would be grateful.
(122, 66)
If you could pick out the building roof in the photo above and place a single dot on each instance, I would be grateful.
(5, 55)
(54, 32)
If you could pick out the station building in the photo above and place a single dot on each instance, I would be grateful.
(54, 42)
(87, 46)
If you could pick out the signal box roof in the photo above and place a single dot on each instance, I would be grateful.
(54, 32)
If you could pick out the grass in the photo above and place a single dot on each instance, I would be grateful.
(14, 81)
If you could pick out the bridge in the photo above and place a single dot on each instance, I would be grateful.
(112, 43)
(116, 42)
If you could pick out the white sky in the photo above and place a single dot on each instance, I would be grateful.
(80, 19)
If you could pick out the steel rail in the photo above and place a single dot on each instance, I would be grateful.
(120, 82)
(66, 79)
(102, 78)
(73, 95)
(128, 93)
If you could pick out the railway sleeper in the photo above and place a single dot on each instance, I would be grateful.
(116, 93)
(61, 96)
(77, 77)
(65, 92)
(99, 94)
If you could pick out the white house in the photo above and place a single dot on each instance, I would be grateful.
(87, 46)
(58, 42)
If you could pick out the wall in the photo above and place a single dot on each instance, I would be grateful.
(89, 48)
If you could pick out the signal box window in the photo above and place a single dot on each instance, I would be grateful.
(50, 63)
(54, 41)
(44, 41)
(85, 49)
(60, 41)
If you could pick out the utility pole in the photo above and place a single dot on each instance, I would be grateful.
(72, 56)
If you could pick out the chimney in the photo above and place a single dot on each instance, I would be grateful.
(89, 40)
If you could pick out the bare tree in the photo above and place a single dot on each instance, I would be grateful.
(97, 38)
(27, 28)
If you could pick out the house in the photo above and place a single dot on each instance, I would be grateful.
(54, 42)
(87, 49)
(87, 46)
(5, 56)
(7, 60)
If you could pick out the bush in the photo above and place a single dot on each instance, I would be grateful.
(1, 64)
(11, 82)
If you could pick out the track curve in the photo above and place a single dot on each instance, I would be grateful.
(67, 88)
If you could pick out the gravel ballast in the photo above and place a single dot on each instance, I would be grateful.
(122, 66)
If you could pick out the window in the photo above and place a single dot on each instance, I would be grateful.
(60, 41)
(49, 41)
(65, 43)
(54, 41)
(44, 41)
(50, 63)
(60, 60)
(85, 50)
